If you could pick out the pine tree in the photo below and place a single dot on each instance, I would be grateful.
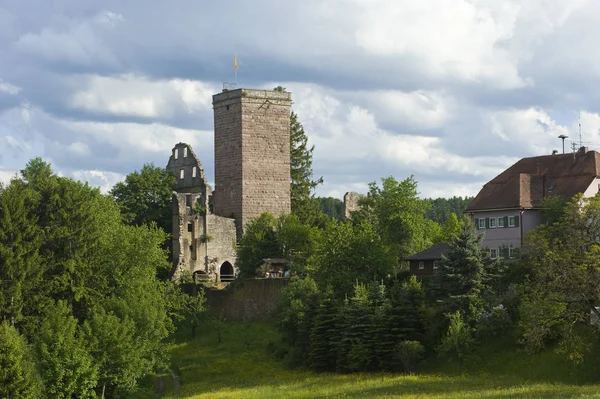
(354, 346)
(406, 317)
(21, 271)
(303, 185)
(463, 274)
(323, 336)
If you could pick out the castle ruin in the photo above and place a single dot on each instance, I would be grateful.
(252, 176)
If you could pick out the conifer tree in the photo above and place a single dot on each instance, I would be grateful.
(354, 346)
(303, 184)
(463, 274)
(21, 270)
(323, 336)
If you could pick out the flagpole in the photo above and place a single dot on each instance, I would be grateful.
(235, 68)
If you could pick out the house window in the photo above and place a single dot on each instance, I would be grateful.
(493, 253)
(176, 153)
(421, 265)
(188, 200)
(436, 264)
(185, 152)
(512, 252)
(501, 222)
(190, 227)
(492, 223)
(181, 174)
(193, 171)
(481, 223)
(512, 221)
(503, 253)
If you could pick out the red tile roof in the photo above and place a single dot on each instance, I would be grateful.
(530, 180)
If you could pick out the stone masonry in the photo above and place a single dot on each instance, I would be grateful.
(252, 154)
(203, 243)
(351, 203)
(252, 176)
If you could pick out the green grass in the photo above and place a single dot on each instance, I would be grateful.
(231, 370)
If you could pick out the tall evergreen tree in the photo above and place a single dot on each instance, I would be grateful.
(324, 336)
(354, 347)
(463, 274)
(303, 184)
(21, 268)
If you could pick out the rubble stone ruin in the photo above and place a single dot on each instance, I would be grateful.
(252, 176)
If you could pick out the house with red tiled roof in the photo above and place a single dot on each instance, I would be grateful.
(508, 206)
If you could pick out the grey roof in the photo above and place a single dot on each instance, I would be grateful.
(431, 253)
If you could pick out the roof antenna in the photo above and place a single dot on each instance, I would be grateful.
(580, 142)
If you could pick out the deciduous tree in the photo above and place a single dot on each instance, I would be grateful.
(563, 287)
(19, 376)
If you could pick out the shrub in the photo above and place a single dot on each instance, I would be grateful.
(409, 354)
(494, 323)
(458, 342)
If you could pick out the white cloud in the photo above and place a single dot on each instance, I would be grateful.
(96, 178)
(6, 175)
(532, 130)
(131, 95)
(8, 88)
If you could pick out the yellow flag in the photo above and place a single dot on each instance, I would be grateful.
(235, 63)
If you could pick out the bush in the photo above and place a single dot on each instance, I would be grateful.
(494, 323)
(409, 354)
(458, 342)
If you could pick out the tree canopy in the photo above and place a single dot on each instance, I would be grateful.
(81, 285)
(398, 216)
(563, 286)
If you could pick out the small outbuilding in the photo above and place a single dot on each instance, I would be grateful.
(427, 262)
(274, 267)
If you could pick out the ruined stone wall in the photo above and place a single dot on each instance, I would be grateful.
(252, 153)
(188, 171)
(351, 200)
(221, 247)
(189, 253)
(245, 300)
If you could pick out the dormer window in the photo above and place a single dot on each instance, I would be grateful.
(176, 153)
(185, 152)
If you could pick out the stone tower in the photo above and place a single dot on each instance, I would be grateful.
(252, 154)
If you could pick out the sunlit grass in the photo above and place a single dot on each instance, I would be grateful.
(240, 367)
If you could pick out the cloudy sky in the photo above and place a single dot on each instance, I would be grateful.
(451, 91)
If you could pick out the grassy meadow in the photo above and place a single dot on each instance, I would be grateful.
(241, 367)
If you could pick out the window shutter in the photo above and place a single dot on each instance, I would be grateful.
(505, 221)
(477, 223)
(517, 221)
(487, 223)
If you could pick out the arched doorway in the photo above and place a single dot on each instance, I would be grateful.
(226, 272)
